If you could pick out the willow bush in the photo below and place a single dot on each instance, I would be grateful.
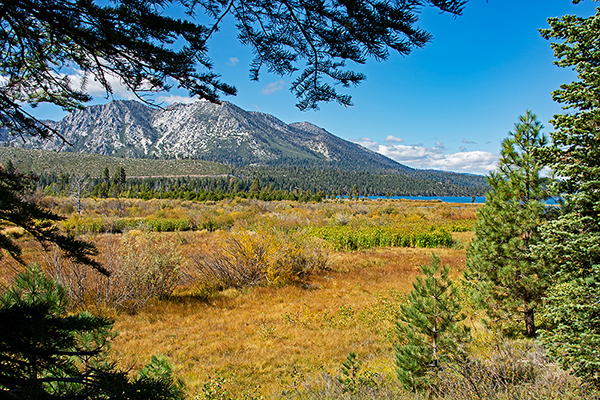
(267, 256)
(142, 267)
(348, 238)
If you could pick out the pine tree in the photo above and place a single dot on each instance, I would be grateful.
(50, 353)
(255, 187)
(571, 242)
(120, 177)
(429, 331)
(508, 281)
(10, 168)
(19, 208)
(106, 175)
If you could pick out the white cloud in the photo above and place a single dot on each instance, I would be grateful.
(93, 87)
(440, 145)
(467, 141)
(176, 99)
(418, 156)
(369, 144)
(273, 87)
(119, 90)
(233, 61)
(393, 139)
(478, 162)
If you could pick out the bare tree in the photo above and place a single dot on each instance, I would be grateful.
(79, 188)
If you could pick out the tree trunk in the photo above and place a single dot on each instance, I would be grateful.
(529, 322)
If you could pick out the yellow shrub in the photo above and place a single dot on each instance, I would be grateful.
(262, 257)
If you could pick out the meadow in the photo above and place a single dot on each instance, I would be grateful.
(252, 299)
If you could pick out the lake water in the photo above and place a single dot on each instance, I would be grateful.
(446, 199)
(452, 199)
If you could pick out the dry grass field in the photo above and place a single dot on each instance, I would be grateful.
(277, 337)
(179, 288)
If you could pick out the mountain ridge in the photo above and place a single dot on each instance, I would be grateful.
(223, 133)
(202, 130)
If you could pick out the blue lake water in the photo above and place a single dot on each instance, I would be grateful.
(446, 199)
(450, 199)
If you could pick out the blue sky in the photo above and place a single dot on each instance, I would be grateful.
(446, 106)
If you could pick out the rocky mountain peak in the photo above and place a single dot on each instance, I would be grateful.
(203, 130)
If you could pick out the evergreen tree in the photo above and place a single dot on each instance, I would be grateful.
(10, 168)
(106, 175)
(120, 178)
(508, 281)
(571, 242)
(255, 187)
(18, 207)
(429, 331)
(48, 353)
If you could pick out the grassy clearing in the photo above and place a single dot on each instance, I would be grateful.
(286, 337)
(269, 337)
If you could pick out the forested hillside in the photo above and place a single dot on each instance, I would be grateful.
(55, 170)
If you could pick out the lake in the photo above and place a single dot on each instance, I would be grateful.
(446, 199)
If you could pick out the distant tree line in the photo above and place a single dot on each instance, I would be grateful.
(289, 183)
(368, 183)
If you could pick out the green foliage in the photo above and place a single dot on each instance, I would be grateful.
(506, 279)
(120, 176)
(49, 353)
(156, 380)
(429, 331)
(349, 238)
(572, 313)
(20, 208)
(571, 242)
(352, 378)
(42, 346)
(81, 225)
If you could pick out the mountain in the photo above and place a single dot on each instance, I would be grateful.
(202, 130)
(222, 133)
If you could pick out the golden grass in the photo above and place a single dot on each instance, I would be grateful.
(267, 336)
(276, 337)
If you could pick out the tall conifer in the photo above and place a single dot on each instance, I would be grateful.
(571, 242)
(508, 281)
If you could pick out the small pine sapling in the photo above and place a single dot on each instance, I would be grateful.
(351, 376)
(429, 331)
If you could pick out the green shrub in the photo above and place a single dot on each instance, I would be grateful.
(348, 238)
(84, 225)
